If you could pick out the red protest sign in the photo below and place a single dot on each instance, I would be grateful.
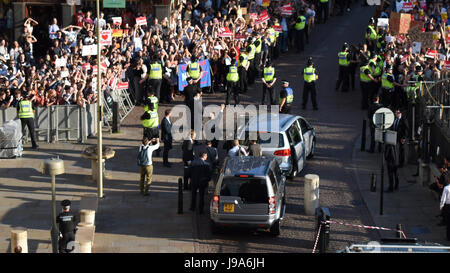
(278, 29)
(225, 32)
(431, 53)
(122, 85)
(117, 21)
(287, 10)
(263, 17)
(141, 21)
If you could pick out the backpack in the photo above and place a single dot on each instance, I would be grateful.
(142, 159)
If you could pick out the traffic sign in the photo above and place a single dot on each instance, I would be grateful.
(383, 118)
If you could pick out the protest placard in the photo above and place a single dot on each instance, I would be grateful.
(89, 50)
(141, 21)
(117, 21)
(117, 33)
(383, 22)
(106, 37)
(60, 62)
(416, 47)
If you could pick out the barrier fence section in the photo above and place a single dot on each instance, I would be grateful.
(60, 122)
(122, 97)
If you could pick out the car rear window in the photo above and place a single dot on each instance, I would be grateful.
(250, 190)
(266, 140)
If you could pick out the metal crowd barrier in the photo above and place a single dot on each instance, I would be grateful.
(122, 97)
(60, 122)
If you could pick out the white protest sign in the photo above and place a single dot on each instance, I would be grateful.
(61, 62)
(389, 39)
(65, 74)
(416, 46)
(383, 22)
(89, 50)
(137, 44)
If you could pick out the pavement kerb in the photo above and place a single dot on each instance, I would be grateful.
(356, 145)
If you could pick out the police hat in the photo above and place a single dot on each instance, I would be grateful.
(310, 61)
(419, 68)
(188, 79)
(65, 203)
(345, 46)
(284, 82)
(372, 21)
(388, 67)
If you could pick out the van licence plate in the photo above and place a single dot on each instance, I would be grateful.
(228, 208)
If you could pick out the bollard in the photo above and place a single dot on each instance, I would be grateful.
(116, 118)
(311, 193)
(85, 246)
(87, 217)
(373, 184)
(398, 233)
(19, 238)
(180, 195)
(363, 136)
(186, 178)
(323, 218)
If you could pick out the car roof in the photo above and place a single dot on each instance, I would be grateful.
(247, 165)
(285, 120)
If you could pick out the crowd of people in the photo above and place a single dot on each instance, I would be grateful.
(63, 76)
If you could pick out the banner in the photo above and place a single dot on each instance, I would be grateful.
(225, 32)
(141, 21)
(206, 75)
(431, 53)
(263, 17)
(106, 37)
(287, 10)
(114, 4)
(117, 33)
(122, 85)
(89, 50)
(117, 21)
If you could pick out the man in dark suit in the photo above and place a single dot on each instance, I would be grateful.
(390, 156)
(188, 156)
(166, 136)
(372, 109)
(401, 127)
(200, 175)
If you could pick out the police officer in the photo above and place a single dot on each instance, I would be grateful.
(251, 51)
(371, 35)
(272, 39)
(366, 81)
(387, 87)
(344, 63)
(374, 69)
(150, 122)
(232, 83)
(310, 77)
(412, 90)
(286, 98)
(155, 76)
(268, 82)
(151, 98)
(300, 25)
(67, 222)
(243, 65)
(25, 111)
(195, 72)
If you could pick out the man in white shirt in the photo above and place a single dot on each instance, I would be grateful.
(102, 21)
(146, 167)
(237, 150)
(445, 208)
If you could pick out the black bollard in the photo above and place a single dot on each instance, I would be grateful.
(373, 184)
(180, 195)
(116, 118)
(323, 216)
(363, 136)
(186, 178)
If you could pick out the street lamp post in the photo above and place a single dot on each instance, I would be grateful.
(99, 110)
(53, 167)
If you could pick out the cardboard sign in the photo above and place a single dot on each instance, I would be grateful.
(89, 50)
(141, 21)
(425, 38)
(416, 47)
(65, 73)
(117, 33)
(106, 37)
(61, 62)
(399, 23)
(265, 3)
(117, 21)
(401, 39)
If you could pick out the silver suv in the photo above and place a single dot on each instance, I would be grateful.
(291, 141)
(250, 192)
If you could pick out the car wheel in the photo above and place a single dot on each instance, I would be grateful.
(275, 228)
(313, 146)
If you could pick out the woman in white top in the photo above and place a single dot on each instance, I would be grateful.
(29, 25)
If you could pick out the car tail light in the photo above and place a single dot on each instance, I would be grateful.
(272, 205)
(215, 204)
(286, 152)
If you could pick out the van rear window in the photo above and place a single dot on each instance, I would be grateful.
(266, 140)
(250, 190)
